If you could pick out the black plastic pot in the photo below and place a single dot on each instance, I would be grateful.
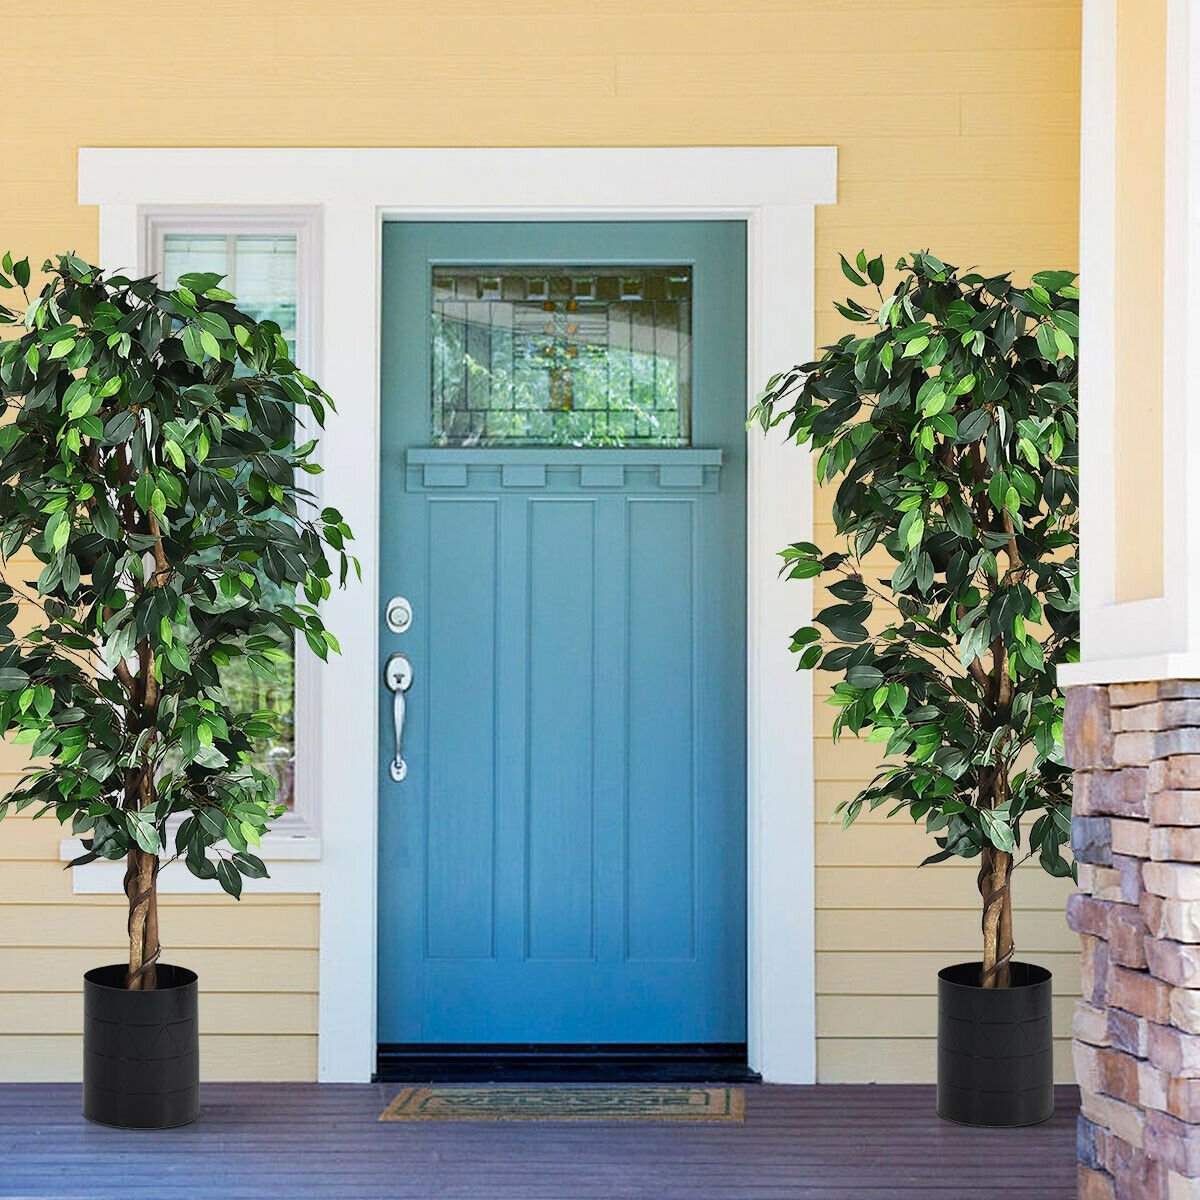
(995, 1047)
(141, 1050)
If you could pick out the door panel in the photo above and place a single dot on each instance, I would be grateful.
(565, 860)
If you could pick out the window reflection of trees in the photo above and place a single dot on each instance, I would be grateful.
(561, 368)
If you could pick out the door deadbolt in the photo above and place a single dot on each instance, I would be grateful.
(399, 614)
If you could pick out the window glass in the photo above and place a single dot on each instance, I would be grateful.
(561, 355)
(260, 270)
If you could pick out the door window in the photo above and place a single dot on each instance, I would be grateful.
(561, 355)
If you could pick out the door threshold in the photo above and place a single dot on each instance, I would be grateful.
(574, 1063)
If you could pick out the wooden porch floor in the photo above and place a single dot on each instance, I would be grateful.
(296, 1141)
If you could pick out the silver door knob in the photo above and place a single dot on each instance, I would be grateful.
(398, 676)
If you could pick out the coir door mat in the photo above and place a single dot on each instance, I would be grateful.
(558, 1103)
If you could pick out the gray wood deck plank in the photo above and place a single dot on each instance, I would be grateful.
(305, 1141)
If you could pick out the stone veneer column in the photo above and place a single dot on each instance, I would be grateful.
(1135, 832)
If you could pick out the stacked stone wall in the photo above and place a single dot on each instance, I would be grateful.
(1135, 749)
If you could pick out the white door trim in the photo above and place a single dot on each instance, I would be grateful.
(774, 189)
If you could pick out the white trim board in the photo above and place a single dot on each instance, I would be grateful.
(774, 190)
(294, 864)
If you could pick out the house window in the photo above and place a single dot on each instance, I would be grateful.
(263, 268)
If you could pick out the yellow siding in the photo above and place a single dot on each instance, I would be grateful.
(1138, 298)
(257, 962)
(956, 124)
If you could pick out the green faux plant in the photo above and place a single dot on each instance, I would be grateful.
(148, 464)
(948, 421)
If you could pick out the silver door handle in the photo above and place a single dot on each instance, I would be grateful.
(398, 675)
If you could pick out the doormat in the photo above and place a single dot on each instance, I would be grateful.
(651, 1104)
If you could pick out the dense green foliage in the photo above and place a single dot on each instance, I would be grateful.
(948, 423)
(148, 462)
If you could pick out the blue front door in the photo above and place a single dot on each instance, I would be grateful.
(563, 507)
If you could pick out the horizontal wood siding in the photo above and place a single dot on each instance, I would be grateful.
(256, 958)
(956, 124)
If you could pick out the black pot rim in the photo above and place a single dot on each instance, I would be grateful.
(1036, 976)
(100, 977)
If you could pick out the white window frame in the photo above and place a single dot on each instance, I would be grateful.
(304, 225)
(775, 191)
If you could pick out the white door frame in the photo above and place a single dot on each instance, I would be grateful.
(774, 190)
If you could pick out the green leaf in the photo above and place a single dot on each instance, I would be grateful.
(810, 658)
(216, 325)
(144, 833)
(193, 347)
(250, 866)
(919, 330)
(912, 529)
(210, 344)
(974, 425)
(999, 833)
(144, 490)
(864, 677)
(58, 531)
(229, 878)
(851, 274)
(1054, 281)
(119, 427)
(12, 679)
(81, 405)
(1067, 321)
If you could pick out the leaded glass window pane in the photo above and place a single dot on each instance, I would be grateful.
(561, 355)
(260, 270)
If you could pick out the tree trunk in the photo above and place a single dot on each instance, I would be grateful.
(995, 886)
(141, 888)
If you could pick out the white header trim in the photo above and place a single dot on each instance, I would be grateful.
(452, 182)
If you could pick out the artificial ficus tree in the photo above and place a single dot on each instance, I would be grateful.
(948, 421)
(149, 469)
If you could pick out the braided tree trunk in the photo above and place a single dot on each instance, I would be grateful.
(995, 886)
(141, 887)
(142, 688)
(996, 865)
